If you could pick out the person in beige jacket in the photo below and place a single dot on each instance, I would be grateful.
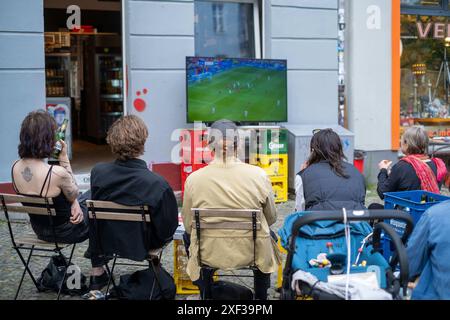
(228, 183)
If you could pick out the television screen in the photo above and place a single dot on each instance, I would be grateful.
(241, 90)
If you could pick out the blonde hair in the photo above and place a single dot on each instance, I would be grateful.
(416, 140)
(127, 137)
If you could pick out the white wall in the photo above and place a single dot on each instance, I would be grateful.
(22, 76)
(305, 33)
(161, 35)
(368, 76)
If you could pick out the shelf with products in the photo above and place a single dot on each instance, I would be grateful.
(57, 66)
(111, 97)
(112, 114)
(111, 106)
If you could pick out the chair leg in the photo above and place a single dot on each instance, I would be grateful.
(152, 266)
(110, 279)
(65, 272)
(26, 269)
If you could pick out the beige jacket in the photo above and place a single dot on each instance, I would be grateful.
(234, 185)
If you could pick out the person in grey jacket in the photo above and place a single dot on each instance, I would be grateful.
(326, 181)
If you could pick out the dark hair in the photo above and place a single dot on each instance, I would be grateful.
(37, 135)
(326, 145)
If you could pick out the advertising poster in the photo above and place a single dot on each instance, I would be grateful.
(60, 109)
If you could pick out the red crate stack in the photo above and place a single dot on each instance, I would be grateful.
(195, 153)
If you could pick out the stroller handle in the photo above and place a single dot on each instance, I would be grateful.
(352, 215)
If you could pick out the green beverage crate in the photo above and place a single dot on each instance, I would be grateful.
(272, 141)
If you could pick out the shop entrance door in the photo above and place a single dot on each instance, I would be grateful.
(84, 75)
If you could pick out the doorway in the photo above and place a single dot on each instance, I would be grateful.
(84, 75)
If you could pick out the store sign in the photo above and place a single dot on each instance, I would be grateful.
(435, 30)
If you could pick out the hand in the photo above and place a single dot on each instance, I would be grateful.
(384, 164)
(76, 216)
(63, 154)
(304, 165)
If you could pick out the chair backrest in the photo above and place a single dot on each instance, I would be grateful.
(107, 210)
(246, 216)
(111, 211)
(248, 219)
(26, 205)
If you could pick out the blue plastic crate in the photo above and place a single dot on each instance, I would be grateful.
(409, 201)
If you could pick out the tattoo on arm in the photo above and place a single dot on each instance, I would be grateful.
(69, 186)
(27, 174)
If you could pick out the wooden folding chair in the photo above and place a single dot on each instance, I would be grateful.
(29, 242)
(107, 210)
(248, 219)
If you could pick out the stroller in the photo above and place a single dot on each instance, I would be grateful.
(311, 236)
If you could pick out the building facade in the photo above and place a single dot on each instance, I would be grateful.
(157, 36)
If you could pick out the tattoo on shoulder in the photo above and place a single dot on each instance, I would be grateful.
(27, 174)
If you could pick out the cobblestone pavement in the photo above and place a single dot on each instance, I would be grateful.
(11, 267)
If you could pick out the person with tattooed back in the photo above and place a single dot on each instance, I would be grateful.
(32, 176)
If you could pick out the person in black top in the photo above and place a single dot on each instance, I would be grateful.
(32, 176)
(128, 181)
(416, 171)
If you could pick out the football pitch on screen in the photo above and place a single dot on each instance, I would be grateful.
(239, 94)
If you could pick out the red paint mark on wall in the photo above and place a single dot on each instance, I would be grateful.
(139, 103)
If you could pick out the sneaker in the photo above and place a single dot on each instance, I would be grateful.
(98, 282)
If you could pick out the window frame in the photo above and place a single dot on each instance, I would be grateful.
(256, 22)
(442, 10)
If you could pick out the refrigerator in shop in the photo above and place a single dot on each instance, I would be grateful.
(107, 95)
(57, 74)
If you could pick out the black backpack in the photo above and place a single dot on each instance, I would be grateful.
(143, 285)
(52, 277)
(225, 290)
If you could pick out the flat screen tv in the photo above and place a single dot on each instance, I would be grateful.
(241, 90)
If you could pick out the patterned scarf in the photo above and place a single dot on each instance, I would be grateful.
(428, 181)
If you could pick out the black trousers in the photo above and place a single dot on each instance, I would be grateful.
(261, 283)
(261, 280)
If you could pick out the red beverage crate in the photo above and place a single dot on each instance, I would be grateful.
(194, 147)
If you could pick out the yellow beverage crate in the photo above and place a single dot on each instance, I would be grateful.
(280, 188)
(182, 280)
(280, 267)
(273, 165)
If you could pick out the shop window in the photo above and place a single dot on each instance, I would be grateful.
(427, 3)
(227, 29)
(425, 72)
(426, 7)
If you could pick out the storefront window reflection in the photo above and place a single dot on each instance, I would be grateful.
(425, 72)
(428, 3)
(224, 29)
